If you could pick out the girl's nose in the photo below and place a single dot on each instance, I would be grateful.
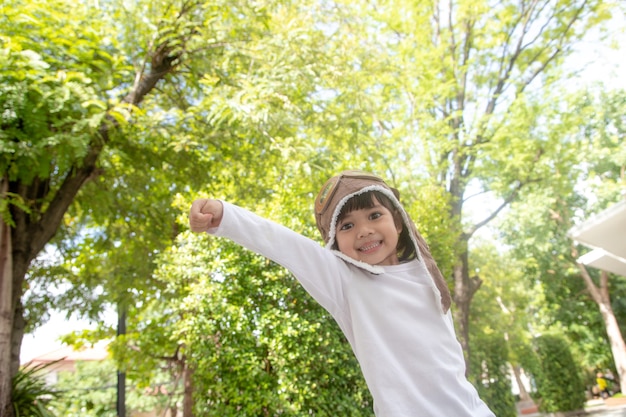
(364, 231)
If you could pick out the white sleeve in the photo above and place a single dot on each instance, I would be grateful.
(316, 268)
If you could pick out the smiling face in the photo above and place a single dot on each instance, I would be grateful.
(369, 234)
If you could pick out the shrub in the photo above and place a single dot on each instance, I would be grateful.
(491, 374)
(31, 394)
(559, 383)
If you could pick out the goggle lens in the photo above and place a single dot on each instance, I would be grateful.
(330, 187)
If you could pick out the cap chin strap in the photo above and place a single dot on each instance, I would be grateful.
(374, 269)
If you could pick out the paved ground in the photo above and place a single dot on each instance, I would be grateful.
(604, 411)
(593, 410)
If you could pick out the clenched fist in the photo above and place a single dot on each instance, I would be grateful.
(205, 214)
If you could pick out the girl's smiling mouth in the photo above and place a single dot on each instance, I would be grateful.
(370, 246)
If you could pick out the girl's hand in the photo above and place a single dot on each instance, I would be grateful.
(205, 214)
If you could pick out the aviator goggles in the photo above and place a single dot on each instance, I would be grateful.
(329, 189)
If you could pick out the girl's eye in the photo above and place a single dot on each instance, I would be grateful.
(375, 215)
(346, 226)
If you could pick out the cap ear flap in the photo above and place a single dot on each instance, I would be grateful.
(431, 265)
(396, 192)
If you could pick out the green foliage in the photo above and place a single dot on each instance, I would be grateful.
(536, 228)
(55, 75)
(31, 395)
(557, 376)
(502, 318)
(257, 342)
(91, 391)
(461, 96)
(491, 374)
(602, 136)
(268, 99)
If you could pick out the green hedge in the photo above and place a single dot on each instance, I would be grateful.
(490, 374)
(558, 379)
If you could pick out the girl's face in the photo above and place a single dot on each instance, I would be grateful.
(369, 235)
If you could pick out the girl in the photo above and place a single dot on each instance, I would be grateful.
(377, 279)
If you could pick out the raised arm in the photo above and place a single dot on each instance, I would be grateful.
(317, 269)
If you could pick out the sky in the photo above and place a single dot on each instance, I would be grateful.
(595, 61)
(45, 338)
(601, 63)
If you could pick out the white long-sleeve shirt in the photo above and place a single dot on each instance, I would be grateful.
(406, 346)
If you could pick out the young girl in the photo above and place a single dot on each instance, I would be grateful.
(377, 279)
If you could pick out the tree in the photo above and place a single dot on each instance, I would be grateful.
(602, 135)
(600, 295)
(584, 300)
(258, 344)
(227, 92)
(494, 383)
(50, 143)
(148, 143)
(465, 94)
(69, 89)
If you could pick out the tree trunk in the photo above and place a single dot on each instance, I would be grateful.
(6, 312)
(188, 390)
(464, 289)
(523, 393)
(600, 295)
(618, 348)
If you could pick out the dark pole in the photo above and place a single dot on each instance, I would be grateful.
(121, 376)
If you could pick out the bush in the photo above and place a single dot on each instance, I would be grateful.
(30, 394)
(557, 377)
(491, 374)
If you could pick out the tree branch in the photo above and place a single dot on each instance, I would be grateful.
(40, 230)
(493, 214)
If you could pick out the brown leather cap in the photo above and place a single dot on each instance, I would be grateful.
(340, 188)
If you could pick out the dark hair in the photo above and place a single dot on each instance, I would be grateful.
(406, 247)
